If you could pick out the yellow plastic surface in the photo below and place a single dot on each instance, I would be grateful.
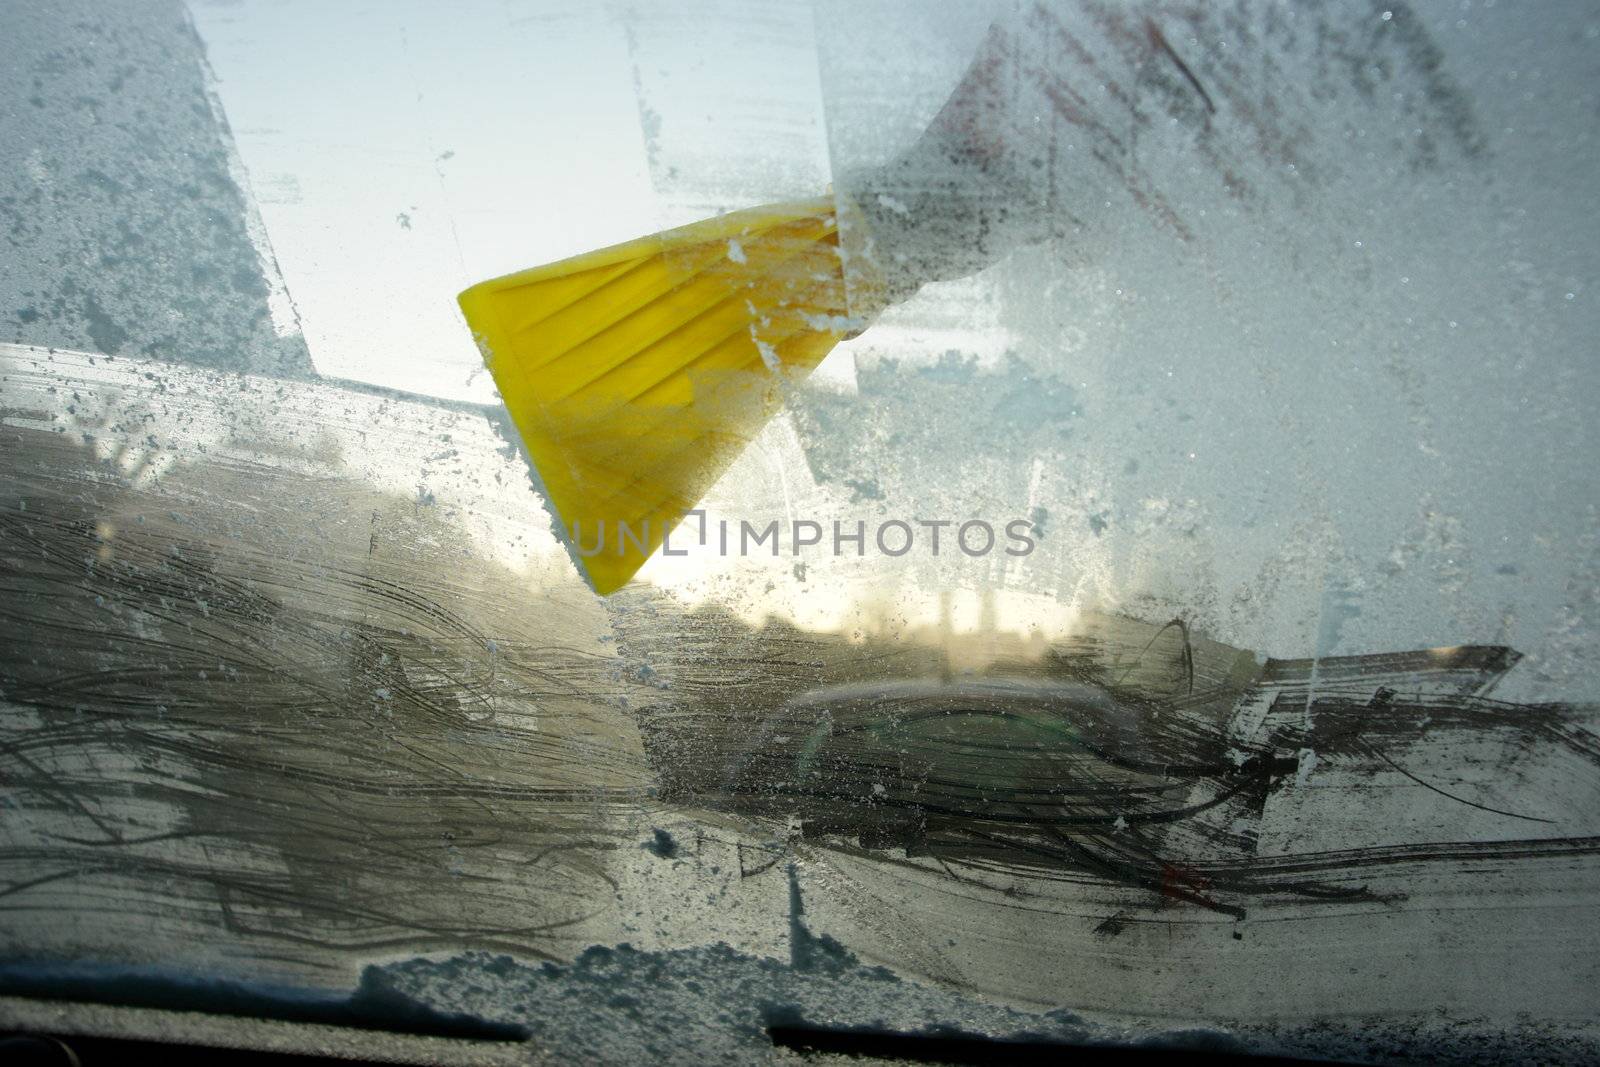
(635, 374)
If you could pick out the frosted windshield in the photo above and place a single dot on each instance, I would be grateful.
(1125, 563)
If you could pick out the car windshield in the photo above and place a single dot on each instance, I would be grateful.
(705, 532)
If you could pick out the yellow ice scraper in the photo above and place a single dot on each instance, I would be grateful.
(637, 373)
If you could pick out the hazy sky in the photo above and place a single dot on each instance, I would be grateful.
(402, 151)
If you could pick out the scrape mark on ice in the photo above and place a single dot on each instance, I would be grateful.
(1308, 763)
(736, 251)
